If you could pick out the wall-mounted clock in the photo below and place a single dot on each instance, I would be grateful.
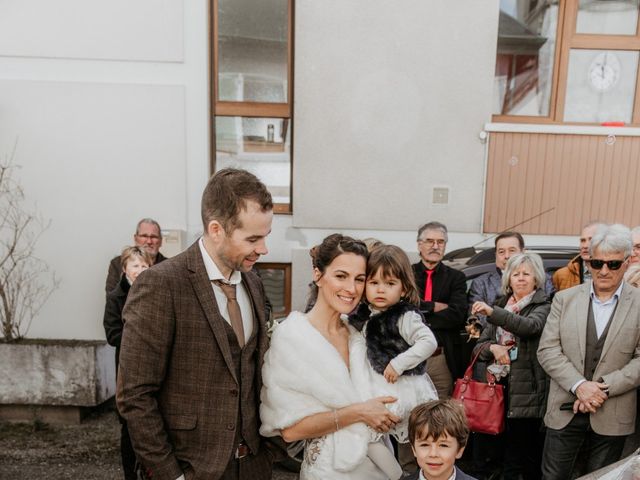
(604, 71)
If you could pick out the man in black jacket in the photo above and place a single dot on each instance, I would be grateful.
(444, 305)
(443, 293)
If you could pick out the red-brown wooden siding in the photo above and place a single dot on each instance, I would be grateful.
(579, 177)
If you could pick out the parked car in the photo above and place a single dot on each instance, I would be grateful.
(474, 262)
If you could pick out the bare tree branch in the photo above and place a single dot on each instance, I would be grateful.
(26, 282)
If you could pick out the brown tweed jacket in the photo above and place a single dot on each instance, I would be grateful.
(177, 387)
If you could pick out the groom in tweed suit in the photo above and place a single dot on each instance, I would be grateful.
(191, 358)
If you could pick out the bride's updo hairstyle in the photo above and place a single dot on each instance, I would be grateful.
(322, 255)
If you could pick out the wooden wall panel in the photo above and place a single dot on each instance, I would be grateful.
(552, 184)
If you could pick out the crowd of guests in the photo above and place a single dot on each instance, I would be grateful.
(364, 376)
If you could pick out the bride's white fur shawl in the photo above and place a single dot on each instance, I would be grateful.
(303, 374)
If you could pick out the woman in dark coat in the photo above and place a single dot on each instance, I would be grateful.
(134, 261)
(509, 344)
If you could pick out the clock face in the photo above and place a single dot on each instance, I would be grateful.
(604, 71)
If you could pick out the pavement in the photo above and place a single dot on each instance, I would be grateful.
(89, 450)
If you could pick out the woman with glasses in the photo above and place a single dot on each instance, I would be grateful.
(509, 344)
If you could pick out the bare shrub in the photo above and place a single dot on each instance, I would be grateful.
(26, 282)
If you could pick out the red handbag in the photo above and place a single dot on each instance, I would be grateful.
(483, 402)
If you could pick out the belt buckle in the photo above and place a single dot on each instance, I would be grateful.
(242, 451)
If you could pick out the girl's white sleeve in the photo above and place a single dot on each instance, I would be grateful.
(420, 338)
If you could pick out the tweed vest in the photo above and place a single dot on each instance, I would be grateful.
(244, 361)
(593, 350)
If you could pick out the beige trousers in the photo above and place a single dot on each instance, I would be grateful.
(440, 376)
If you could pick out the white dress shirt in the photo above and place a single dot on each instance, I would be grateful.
(452, 477)
(242, 296)
(602, 310)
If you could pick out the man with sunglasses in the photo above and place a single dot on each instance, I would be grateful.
(577, 270)
(590, 348)
(148, 236)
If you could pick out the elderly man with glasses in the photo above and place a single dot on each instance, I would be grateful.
(590, 348)
(444, 304)
(148, 236)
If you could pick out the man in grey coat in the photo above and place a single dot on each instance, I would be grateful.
(590, 348)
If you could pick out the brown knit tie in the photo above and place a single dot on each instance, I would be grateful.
(233, 308)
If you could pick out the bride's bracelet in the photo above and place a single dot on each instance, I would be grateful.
(335, 419)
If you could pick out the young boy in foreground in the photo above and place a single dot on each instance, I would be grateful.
(438, 433)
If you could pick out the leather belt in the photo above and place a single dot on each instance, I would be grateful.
(242, 451)
(438, 351)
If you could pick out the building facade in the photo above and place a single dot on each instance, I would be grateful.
(367, 117)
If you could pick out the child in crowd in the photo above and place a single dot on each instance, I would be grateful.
(134, 261)
(438, 433)
(398, 342)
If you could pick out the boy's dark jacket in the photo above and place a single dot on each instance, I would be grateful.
(460, 475)
(384, 341)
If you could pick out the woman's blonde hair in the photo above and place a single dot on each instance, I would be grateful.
(632, 275)
(372, 243)
(533, 260)
(129, 252)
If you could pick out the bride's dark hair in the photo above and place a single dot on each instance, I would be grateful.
(322, 255)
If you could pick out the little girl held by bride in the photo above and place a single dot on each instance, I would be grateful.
(398, 342)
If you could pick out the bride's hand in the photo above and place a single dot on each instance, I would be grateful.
(375, 414)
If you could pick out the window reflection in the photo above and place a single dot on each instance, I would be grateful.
(524, 63)
(259, 145)
(275, 281)
(252, 50)
(613, 17)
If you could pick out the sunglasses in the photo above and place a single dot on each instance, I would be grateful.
(611, 264)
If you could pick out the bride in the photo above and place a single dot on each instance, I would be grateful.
(312, 373)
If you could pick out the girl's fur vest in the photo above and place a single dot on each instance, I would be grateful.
(384, 341)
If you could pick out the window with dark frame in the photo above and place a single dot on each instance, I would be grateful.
(251, 91)
(276, 278)
(568, 61)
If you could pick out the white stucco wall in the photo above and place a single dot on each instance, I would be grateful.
(389, 100)
(92, 29)
(110, 106)
(108, 103)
